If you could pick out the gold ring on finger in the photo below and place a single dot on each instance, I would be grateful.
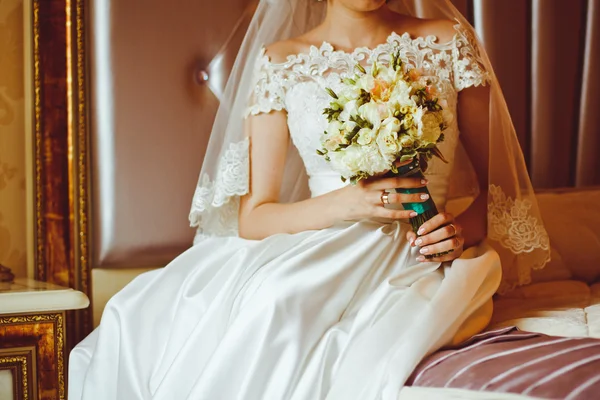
(455, 231)
(385, 198)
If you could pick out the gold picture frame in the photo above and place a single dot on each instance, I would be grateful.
(58, 149)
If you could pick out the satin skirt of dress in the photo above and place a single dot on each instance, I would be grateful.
(340, 313)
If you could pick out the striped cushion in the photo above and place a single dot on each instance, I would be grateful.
(512, 361)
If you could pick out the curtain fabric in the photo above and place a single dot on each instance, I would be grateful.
(546, 54)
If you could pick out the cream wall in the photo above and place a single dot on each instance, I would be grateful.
(12, 139)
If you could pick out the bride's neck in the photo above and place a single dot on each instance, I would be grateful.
(349, 29)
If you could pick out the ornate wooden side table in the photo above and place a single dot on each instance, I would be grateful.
(32, 339)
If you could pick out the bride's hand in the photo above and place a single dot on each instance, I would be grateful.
(438, 235)
(365, 199)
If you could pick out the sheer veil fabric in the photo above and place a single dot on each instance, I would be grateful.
(515, 227)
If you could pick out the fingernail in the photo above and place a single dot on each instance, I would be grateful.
(424, 250)
(424, 181)
(411, 241)
(421, 231)
(424, 196)
(413, 214)
(418, 242)
(420, 259)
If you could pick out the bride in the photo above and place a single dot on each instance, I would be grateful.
(313, 289)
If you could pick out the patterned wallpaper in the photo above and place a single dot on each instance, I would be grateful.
(12, 138)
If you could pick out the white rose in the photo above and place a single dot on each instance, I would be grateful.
(387, 141)
(346, 161)
(334, 128)
(365, 136)
(355, 159)
(373, 162)
(391, 123)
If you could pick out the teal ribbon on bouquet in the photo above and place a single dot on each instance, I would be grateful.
(427, 209)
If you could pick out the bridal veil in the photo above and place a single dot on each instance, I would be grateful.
(515, 227)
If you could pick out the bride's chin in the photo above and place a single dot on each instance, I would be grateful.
(363, 5)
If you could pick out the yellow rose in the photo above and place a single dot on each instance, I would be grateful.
(406, 141)
(429, 128)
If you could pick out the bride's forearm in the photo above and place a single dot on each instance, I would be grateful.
(262, 220)
(474, 221)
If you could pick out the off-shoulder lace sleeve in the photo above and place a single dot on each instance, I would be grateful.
(469, 69)
(268, 94)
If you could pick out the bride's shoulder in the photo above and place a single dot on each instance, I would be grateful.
(279, 52)
(443, 29)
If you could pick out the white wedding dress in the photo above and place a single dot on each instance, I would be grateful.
(339, 313)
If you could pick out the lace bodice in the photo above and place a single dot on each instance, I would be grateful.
(298, 86)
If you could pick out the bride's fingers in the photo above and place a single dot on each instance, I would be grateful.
(439, 234)
(392, 183)
(450, 256)
(411, 237)
(396, 198)
(435, 222)
(452, 244)
(380, 212)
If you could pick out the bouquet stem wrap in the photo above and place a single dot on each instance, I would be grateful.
(426, 209)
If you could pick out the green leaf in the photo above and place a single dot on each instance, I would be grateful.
(374, 69)
(350, 136)
(436, 152)
(407, 157)
(361, 68)
(332, 93)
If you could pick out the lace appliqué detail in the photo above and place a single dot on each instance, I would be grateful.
(469, 69)
(512, 225)
(268, 94)
(457, 61)
(231, 181)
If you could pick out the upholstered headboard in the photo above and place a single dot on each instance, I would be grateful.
(150, 121)
(156, 71)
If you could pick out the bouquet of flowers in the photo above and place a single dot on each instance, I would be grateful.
(381, 118)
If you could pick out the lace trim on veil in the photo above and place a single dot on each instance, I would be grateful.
(232, 181)
(512, 226)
